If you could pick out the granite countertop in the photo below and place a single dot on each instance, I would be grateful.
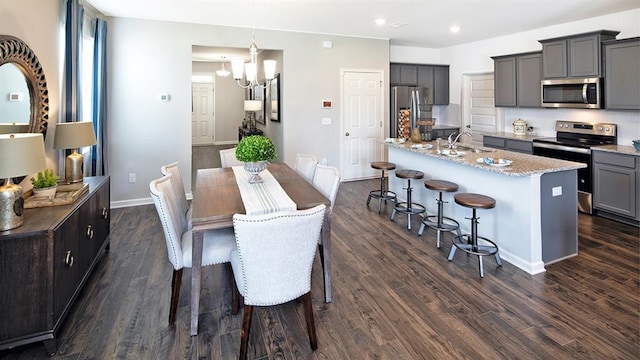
(620, 149)
(522, 164)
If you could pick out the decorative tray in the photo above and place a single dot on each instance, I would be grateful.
(494, 161)
(66, 194)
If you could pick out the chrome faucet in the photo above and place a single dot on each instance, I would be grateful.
(452, 141)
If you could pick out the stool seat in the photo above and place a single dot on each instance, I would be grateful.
(383, 194)
(439, 222)
(441, 185)
(471, 200)
(409, 174)
(383, 165)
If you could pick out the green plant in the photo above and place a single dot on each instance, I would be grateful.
(255, 148)
(44, 179)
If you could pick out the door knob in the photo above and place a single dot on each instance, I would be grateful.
(347, 134)
(468, 126)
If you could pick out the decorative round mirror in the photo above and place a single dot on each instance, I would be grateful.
(17, 53)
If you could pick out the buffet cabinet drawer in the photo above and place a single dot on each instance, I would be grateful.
(47, 261)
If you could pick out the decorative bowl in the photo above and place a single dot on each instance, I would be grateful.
(636, 143)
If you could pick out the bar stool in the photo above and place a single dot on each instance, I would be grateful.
(382, 194)
(470, 246)
(408, 207)
(440, 222)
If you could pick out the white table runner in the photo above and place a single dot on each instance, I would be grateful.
(262, 198)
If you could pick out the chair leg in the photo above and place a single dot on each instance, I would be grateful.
(176, 281)
(311, 327)
(235, 294)
(244, 333)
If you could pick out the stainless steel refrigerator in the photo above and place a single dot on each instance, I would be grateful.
(417, 100)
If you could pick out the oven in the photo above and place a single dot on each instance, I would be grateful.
(573, 142)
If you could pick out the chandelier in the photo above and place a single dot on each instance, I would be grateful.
(251, 68)
(222, 72)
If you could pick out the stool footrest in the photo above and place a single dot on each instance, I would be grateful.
(407, 208)
(469, 248)
(387, 195)
(432, 222)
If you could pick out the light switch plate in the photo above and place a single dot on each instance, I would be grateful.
(326, 121)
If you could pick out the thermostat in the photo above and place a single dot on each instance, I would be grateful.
(165, 97)
(15, 96)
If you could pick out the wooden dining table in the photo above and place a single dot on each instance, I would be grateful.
(216, 199)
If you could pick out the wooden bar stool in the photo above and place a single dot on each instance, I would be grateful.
(469, 242)
(383, 194)
(408, 207)
(440, 222)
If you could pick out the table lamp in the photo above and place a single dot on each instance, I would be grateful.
(20, 154)
(73, 135)
(252, 106)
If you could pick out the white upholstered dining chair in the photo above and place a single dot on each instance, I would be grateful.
(228, 158)
(178, 187)
(272, 263)
(327, 180)
(305, 166)
(217, 244)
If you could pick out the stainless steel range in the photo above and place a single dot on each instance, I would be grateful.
(573, 142)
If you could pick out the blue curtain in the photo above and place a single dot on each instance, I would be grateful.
(99, 117)
(73, 94)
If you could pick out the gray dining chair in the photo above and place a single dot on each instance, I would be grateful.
(305, 166)
(217, 244)
(272, 263)
(228, 158)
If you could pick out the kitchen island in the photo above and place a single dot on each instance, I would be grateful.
(535, 221)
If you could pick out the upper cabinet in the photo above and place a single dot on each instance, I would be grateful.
(574, 56)
(517, 79)
(434, 77)
(622, 74)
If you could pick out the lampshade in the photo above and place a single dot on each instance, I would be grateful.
(14, 128)
(73, 135)
(252, 105)
(21, 154)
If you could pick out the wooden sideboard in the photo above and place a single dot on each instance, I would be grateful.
(45, 262)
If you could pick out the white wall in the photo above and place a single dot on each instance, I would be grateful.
(476, 58)
(36, 22)
(152, 57)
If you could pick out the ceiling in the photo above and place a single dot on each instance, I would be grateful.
(421, 23)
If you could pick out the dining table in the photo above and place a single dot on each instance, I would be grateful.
(217, 198)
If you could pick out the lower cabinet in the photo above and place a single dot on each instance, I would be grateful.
(444, 133)
(616, 179)
(45, 263)
(523, 146)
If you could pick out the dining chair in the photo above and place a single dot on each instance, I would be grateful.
(228, 158)
(327, 180)
(178, 187)
(305, 166)
(217, 244)
(272, 263)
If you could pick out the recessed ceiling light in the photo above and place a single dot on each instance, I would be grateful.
(381, 21)
(454, 29)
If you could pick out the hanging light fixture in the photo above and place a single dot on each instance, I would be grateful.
(222, 72)
(251, 68)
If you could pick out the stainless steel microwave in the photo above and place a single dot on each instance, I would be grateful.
(583, 93)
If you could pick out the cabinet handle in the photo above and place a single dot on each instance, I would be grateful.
(105, 213)
(89, 232)
(68, 259)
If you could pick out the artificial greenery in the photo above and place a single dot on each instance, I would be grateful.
(44, 179)
(255, 148)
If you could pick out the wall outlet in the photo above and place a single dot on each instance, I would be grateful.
(132, 178)
(556, 191)
(326, 121)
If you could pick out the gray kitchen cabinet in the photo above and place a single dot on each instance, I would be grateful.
(616, 178)
(574, 56)
(434, 77)
(622, 74)
(523, 146)
(403, 74)
(444, 132)
(517, 79)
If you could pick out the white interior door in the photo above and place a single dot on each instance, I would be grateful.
(202, 114)
(479, 113)
(362, 118)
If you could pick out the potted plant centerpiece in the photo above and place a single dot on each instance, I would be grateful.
(45, 184)
(255, 151)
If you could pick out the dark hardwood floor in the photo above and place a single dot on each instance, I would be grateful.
(395, 297)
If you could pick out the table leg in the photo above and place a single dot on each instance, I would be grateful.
(326, 252)
(196, 256)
